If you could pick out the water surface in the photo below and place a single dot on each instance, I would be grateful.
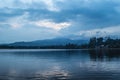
(59, 64)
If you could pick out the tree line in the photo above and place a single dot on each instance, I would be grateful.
(93, 43)
(104, 43)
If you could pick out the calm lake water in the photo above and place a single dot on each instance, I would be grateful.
(59, 65)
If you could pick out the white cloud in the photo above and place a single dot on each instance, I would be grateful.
(8, 3)
(25, 4)
(51, 5)
(52, 25)
(114, 30)
(22, 21)
(17, 22)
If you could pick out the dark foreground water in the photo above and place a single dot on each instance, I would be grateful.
(59, 65)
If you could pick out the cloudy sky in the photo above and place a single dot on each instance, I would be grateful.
(28, 20)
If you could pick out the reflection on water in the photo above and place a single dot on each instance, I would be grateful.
(59, 65)
(104, 55)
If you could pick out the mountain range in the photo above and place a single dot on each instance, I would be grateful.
(49, 42)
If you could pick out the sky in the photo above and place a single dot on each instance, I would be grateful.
(29, 20)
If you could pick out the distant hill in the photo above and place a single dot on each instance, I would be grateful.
(49, 42)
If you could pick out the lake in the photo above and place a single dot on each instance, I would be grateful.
(59, 64)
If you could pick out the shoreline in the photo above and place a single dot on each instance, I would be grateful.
(57, 49)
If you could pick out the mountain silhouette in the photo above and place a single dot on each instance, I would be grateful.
(49, 42)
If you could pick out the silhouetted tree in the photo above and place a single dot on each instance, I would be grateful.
(92, 42)
(99, 41)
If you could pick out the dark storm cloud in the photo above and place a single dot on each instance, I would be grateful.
(80, 16)
(89, 14)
